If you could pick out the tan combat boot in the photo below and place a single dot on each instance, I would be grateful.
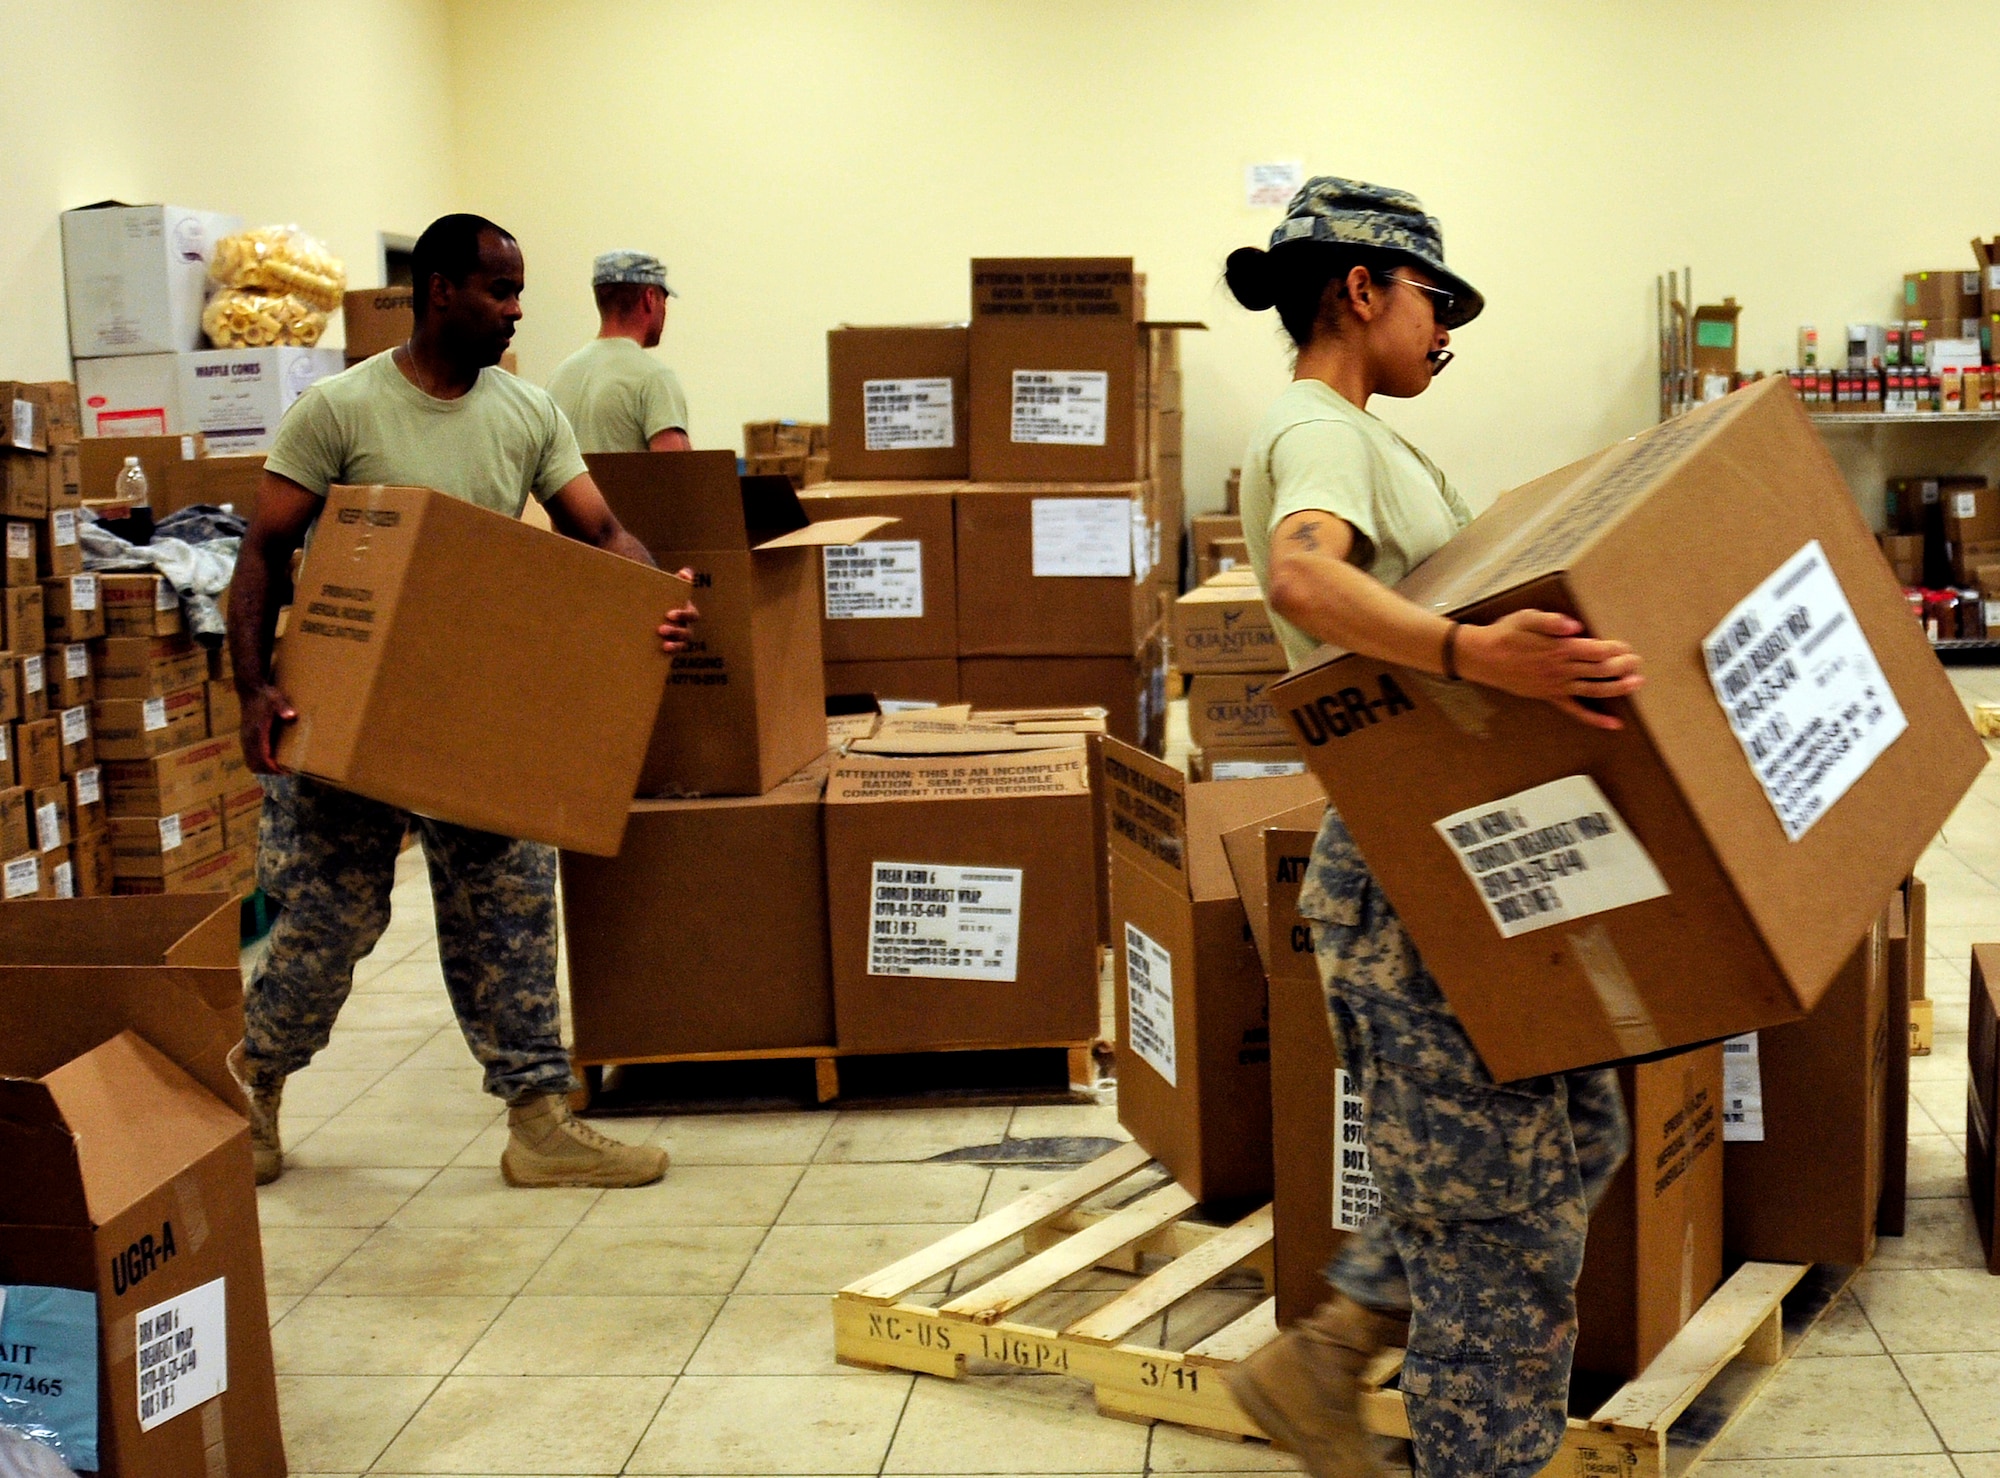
(1303, 1388)
(547, 1146)
(267, 1154)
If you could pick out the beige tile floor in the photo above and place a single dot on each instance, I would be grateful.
(428, 1320)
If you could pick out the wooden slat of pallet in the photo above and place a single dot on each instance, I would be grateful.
(1010, 1221)
(1184, 1275)
(1240, 1340)
(1038, 1274)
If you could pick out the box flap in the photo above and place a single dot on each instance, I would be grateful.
(1145, 807)
(958, 730)
(1086, 720)
(831, 531)
(1215, 807)
(673, 501)
(861, 778)
(43, 1185)
(1244, 846)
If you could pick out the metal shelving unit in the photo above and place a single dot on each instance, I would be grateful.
(1907, 418)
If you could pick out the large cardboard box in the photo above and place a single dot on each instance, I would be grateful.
(1224, 627)
(651, 934)
(137, 276)
(1655, 887)
(1654, 1253)
(137, 396)
(958, 858)
(1056, 569)
(428, 672)
(227, 481)
(898, 401)
(129, 1171)
(1982, 1101)
(169, 782)
(892, 598)
(1803, 1141)
(1194, 1074)
(745, 706)
(375, 319)
(922, 683)
(236, 397)
(1235, 708)
(101, 457)
(1132, 690)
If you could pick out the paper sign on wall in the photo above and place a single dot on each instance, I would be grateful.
(1355, 1198)
(183, 1347)
(951, 923)
(1549, 855)
(1082, 536)
(1742, 1091)
(874, 580)
(1149, 996)
(1060, 407)
(906, 415)
(1272, 185)
(1803, 692)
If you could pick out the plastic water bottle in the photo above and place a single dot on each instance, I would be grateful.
(130, 484)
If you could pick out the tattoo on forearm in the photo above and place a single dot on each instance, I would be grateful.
(1306, 536)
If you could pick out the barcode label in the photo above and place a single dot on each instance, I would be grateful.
(76, 661)
(48, 826)
(874, 580)
(154, 715)
(83, 592)
(1742, 1091)
(170, 833)
(62, 528)
(906, 415)
(89, 786)
(75, 724)
(945, 922)
(20, 541)
(1149, 1001)
(23, 878)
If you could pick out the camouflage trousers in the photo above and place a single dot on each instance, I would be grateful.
(328, 861)
(1485, 1188)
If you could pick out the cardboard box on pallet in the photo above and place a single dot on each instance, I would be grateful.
(86, 799)
(139, 605)
(231, 871)
(892, 598)
(1982, 1101)
(91, 856)
(1803, 1143)
(169, 782)
(745, 706)
(144, 728)
(1245, 761)
(1194, 1077)
(20, 567)
(412, 604)
(954, 854)
(1132, 691)
(148, 666)
(26, 624)
(21, 877)
(67, 670)
(72, 609)
(898, 402)
(1056, 569)
(76, 740)
(57, 550)
(643, 971)
(1656, 851)
(1235, 708)
(38, 752)
(131, 1170)
(101, 457)
(153, 846)
(923, 682)
(48, 817)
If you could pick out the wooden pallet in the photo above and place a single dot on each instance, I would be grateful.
(825, 1061)
(880, 1323)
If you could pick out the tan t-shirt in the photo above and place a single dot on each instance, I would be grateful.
(617, 396)
(500, 441)
(1315, 452)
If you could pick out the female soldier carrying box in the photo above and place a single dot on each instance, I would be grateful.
(1471, 1263)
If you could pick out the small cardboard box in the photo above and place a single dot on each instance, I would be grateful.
(643, 977)
(375, 319)
(954, 886)
(1694, 853)
(153, 846)
(1803, 1150)
(1194, 1078)
(1948, 296)
(1056, 569)
(236, 397)
(57, 551)
(225, 709)
(222, 481)
(148, 666)
(137, 276)
(1971, 514)
(1655, 1248)
(72, 609)
(143, 728)
(24, 484)
(893, 598)
(1225, 628)
(744, 707)
(1132, 690)
(923, 683)
(1245, 761)
(77, 740)
(67, 669)
(130, 1169)
(231, 871)
(140, 605)
(65, 413)
(1715, 338)
(1235, 708)
(413, 604)
(20, 567)
(101, 457)
(26, 622)
(1982, 1101)
(899, 404)
(1905, 554)
(38, 752)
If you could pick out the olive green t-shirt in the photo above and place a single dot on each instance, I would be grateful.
(1316, 452)
(617, 396)
(500, 441)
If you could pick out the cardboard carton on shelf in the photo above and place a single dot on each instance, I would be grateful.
(137, 276)
(126, 1137)
(1704, 824)
(960, 860)
(375, 319)
(919, 683)
(548, 719)
(895, 597)
(101, 457)
(745, 706)
(1132, 690)
(1194, 1084)
(1245, 761)
(1982, 1101)
(1905, 554)
(898, 402)
(650, 933)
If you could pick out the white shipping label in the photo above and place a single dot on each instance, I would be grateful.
(170, 833)
(1149, 998)
(75, 724)
(5, 749)
(1060, 407)
(874, 580)
(62, 527)
(1992, 608)
(48, 827)
(183, 1349)
(76, 661)
(153, 715)
(1993, 278)
(1549, 855)
(905, 705)
(949, 923)
(164, 598)
(83, 592)
(23, 878)
(1355, 1199)
(63, 877)
(1964, 505)
(1254, 769)
(906, 415)
(20, 541)
(33, 676)
(1804, 694)
(1144, 540)
(24, 424)
(89, 786)
(1742, 1091)
(1082, 536)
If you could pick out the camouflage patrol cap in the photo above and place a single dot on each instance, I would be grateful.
(1350, 213)
(640, 267)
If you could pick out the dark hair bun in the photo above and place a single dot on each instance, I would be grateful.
(1250, 278)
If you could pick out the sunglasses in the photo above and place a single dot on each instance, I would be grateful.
(1443, 304)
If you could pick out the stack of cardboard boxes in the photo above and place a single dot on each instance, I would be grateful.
(1227, 649)
(1215, 544)
(794, 450)
(1035, 454)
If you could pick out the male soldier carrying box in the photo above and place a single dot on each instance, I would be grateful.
(617, 396)
(434, 412)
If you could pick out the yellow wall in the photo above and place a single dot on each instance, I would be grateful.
(335, 117)
(800, 163)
